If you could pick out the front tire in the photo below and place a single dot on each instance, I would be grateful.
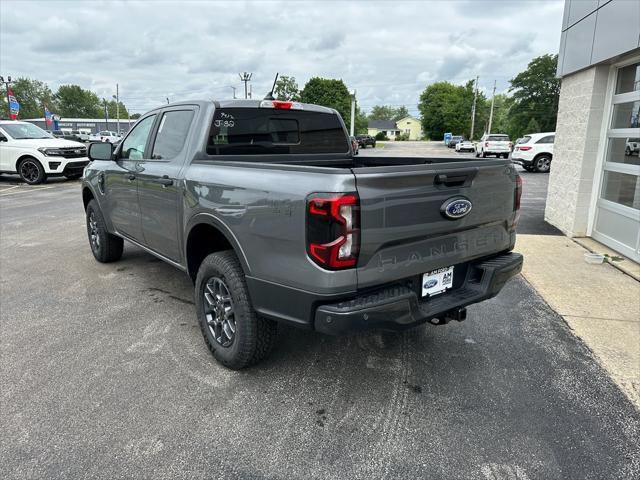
(231, 328)
(31, 171)
(105, 247)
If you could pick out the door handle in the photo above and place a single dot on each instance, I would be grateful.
(131, 177)
(165, 181)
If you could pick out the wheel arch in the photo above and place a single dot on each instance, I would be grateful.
(206, 234)
(87, 196)
(24, 156)
(543, 154)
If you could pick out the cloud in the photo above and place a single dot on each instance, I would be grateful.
(388, 52)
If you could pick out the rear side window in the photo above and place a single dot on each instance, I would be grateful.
(547, 139)
(172, 134)
(265, 131)
(524, 139)
(498, 138)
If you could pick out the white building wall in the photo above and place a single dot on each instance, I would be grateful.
(580, 114)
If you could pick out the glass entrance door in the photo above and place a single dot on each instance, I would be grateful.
(617, 221)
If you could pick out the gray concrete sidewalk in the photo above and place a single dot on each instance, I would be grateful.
(600, 303)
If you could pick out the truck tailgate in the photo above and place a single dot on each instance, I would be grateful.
(404, 233)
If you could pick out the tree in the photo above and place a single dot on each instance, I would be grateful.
(329, 93)
(532, 126)
(286, 88)
(32, 95)
(535, 96)
(400, 113)
(74, 101)
(135, 116)
(382, 112)
(113, 110)
(361, 122)
(385, 112)
(447, 108)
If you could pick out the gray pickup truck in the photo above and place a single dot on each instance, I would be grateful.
(264, 206)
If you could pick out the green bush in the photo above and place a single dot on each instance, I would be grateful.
(381, 136)
(402, 137)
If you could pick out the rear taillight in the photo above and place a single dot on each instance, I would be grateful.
(524, 149)
(516, 200)
(333, 230)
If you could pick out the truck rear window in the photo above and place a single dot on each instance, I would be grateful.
(498, 138)
(265, 131)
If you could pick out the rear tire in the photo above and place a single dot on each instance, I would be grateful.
(31, 171)
(105, 247)
(542, 164)
(484, 155)
(231, 328)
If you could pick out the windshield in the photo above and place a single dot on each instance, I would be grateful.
(23, 131)
(498, 138)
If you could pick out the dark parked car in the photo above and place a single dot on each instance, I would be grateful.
(264, 206)
(454, 140)
(364, 140)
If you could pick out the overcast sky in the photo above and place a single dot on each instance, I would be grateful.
(387, 51)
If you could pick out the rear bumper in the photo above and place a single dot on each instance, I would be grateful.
(399, 307)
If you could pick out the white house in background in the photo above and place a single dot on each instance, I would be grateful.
(389, 128)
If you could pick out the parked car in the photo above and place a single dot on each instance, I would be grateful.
(354, 145)
(81, 135)
(109, 136)
(534, 152)
(493, 144)
(465, 146)
(240, 204)
(35, 155)
(632, 147)
(454, 141)
(364, 140)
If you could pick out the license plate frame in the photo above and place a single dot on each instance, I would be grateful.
(437, 281)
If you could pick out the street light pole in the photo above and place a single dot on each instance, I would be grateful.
(6, 91)
(353, 112)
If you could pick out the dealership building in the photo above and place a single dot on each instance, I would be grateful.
(94, 124)
(594, 184)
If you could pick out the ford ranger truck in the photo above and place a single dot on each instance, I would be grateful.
(265, 207)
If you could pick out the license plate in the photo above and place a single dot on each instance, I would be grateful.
(437, 281)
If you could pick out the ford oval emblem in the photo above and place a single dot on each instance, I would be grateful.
(431, 283)
(456, 208)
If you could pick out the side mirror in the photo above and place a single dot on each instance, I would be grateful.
(100, 151)
(3, 138)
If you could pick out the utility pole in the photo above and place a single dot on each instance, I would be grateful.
(106, 115)
(167, 100)
(353, 112)
(473, 109)
(6, 90)
(234, 91)
(245, 77)
(117, 109)
(250, 91)
(493, 97)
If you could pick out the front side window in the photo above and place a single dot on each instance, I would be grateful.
(172, 134)
(134, 145)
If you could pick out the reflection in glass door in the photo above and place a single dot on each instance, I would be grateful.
(617, 221)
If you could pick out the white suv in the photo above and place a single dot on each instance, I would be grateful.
(534, 151)
(493, 144)
(35, 155)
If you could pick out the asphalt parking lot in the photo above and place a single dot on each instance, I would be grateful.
(104, 374)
